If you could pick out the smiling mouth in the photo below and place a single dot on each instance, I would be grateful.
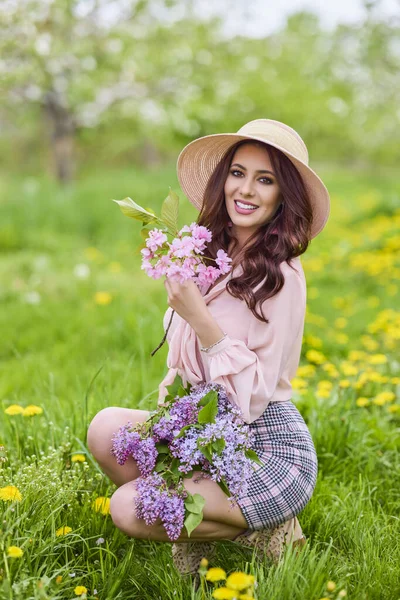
(245, 205)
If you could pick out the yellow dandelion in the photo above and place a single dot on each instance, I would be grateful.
(375, 376)
(356, 355)
(63, 530)
(379, 401)
(344, 383)
(298, 383)
(102, 505)
(314, 356)
(313, 340)
(93, 253)
(331, 586)
(330, 369)
(32, 410)
(323, 393)
(387, 396)
(59, 579)
(369, 343)
(395, 380)
(224, 593)
(305, 371)
(239, 581)
(14, 409)
(204, 563)
(103, 298)
(384, 398)
(341, 338)
(325, 384)
(215, 574)
(340, 323)
(246, 597)
(10, 493)
(349, 370)
(394, 408)
(78, 458)
(80, 590)
(14, 552)
(362, 401)
(378, 359)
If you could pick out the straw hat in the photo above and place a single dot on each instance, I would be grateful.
(199, 158)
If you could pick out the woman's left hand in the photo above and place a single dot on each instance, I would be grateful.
(186, 299)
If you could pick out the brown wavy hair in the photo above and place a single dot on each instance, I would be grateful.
(284, 237)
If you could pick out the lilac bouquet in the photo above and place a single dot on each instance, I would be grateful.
(196, 429)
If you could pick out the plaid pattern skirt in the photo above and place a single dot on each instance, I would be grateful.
(282, 486)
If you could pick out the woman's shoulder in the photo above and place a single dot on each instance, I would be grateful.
(293, 268)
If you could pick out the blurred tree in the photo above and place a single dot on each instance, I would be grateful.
(75, 59)
(135, 79)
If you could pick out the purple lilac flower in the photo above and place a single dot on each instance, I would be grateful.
(145, 454)
(232, 466)
(127, 443)
(183, 412)
(172, 514)
(185, 448)
(123, 442)
(148, 503)
(154, 501)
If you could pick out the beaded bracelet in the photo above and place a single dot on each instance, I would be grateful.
(215, 343)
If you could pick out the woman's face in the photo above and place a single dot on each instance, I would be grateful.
(250, 181)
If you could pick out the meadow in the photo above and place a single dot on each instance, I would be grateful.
(78, 322)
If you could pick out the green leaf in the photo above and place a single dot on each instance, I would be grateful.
(182, 392)
(144, 232)
(252, 456)
(219, 445)
(173, 388)
(131, 209)
(209, 412)
(195, 503)
(192, 521)
(207, 398)
(205, 450)
(162, 448)
(184, 430)
(174, 467)
(224, 488)
(170, 211)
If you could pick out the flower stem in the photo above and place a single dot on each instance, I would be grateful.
(165, 334)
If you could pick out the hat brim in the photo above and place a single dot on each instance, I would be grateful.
(200, 157)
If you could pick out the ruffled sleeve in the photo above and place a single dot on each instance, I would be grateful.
(259, 371)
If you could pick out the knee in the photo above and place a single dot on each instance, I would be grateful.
(122, 510)
(100, 431)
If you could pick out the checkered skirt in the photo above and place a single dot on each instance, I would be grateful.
(282, 486)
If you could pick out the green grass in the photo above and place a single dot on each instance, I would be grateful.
(63, 352)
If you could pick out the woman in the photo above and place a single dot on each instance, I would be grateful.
(263, 204)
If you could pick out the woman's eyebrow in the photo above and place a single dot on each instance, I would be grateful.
(259, 171)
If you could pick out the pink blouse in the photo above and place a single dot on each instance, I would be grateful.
(256, 361)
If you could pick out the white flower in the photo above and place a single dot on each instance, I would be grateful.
(81, 271)
(32, 297)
